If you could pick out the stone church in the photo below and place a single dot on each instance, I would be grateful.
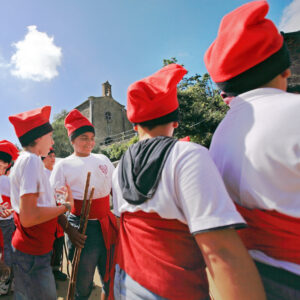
(108, 116)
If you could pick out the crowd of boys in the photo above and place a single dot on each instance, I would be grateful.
(183, 216)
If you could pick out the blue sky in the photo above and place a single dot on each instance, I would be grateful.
(59, 52)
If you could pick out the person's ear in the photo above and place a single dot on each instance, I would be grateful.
(175, 124)
(286, 73)
(135, 128)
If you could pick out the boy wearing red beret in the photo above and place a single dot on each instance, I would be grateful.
(58, 245)
(175, 214)
(101, 227)
(35, 210)
(256, 146)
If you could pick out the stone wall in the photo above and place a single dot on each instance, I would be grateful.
(293, 42)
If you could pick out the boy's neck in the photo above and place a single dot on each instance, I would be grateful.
(160, 130)
(33, 150)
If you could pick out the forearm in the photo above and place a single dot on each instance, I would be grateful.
(231, 268)
(63, 222)
(40, 215)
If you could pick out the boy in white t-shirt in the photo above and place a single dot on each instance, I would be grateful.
(58, 245)
(35, 210)
(175, 213)
(256, 146)
(101, 228)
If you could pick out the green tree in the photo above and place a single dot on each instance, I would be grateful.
(115, 151)
(201, 107)
(62, 145)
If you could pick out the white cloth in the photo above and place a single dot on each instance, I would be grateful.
(190, 190)
(4, 190)
(257, 151)
(28, 176)
(48, 172)
(73, 170)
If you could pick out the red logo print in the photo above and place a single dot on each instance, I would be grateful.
(104, 169)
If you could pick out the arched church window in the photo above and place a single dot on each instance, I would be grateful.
(108, 116)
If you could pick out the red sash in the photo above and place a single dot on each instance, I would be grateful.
(161, 255)
(34, 240)
(271, 232)
(100, 210)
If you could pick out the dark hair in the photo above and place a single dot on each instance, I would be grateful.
(4, 156)
(151, 124)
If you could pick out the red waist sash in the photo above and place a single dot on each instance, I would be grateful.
(161, 255)
(34, 240)
(271, 232)
(99, 207)
(100, 210)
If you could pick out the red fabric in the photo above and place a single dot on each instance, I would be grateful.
(59, 231)
(271, 232)
(185, 139)
(154, 96)
(29, 120)
(74, 120)
(245, 39)
(35, 240)
(100, 209)
(9, 148)
(161, 255)
(6, 199)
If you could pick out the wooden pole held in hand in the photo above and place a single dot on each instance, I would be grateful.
(84, 216)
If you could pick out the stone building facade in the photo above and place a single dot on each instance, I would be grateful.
(108, 116)
(293, 42)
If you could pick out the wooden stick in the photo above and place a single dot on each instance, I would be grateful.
(71, 287)
(76, 259)
(83, 231)
(86, 189)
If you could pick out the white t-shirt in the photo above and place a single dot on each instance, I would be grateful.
(28, 176)
(4, 190)
(257, 151)
(190, 190)
(73, 170)
(48, 172)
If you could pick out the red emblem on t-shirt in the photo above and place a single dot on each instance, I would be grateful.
(104, 169)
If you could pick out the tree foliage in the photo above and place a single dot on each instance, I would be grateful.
(62, 145)
(115, 151)
(201, 107)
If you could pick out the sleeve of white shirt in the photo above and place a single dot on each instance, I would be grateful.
(201, 193)
(30, 181)
(57, 178)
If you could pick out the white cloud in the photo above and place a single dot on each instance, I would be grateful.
(290, 20)
(36, 57)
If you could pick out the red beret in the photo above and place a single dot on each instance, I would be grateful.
(247, 39)
(32, 124)
(8, 151)
(76, 124)
(154, 96)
